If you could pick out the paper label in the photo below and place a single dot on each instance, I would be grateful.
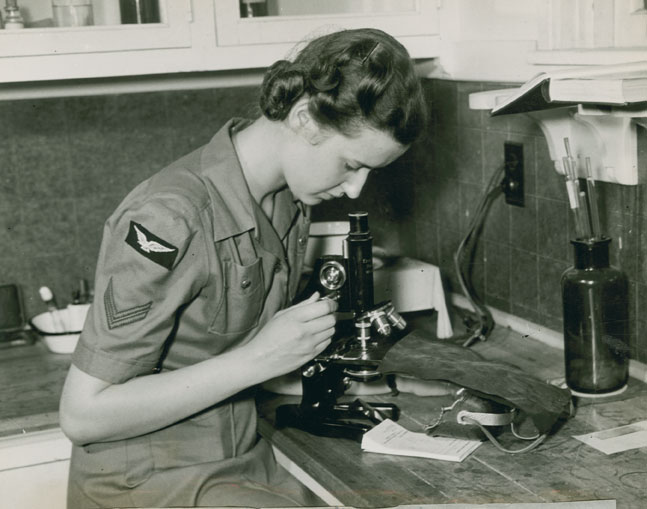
(613, 440)
(389, 437)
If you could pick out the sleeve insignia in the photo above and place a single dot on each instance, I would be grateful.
(118, 318)
(151, 246)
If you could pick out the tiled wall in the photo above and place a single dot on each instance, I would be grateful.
(522, 251)
(430, 197)
(66, 163)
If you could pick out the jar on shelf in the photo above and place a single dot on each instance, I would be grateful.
(596, 321)
(72, 13)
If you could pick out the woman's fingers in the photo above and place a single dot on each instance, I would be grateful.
(312, 309)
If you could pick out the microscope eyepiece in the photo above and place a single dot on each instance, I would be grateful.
(358, 223)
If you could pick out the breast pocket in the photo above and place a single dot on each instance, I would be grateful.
(242, 302)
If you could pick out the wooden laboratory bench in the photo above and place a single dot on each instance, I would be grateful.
(31, 380)
(561, 469)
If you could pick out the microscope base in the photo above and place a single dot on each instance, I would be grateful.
(342, 421)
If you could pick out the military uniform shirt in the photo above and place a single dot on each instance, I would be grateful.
(189, 268)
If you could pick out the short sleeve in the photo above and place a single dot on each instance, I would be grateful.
(152, 261)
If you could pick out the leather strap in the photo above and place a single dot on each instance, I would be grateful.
(486, 419)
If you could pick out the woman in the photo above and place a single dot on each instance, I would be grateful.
(196, 273)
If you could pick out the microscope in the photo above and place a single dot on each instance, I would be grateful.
(364, 333)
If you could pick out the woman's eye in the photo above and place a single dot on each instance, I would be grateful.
(350, 167)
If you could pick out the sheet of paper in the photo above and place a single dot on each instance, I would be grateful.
(585, 504)
(613, 440)
(389, 437)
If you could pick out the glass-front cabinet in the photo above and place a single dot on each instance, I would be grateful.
(54, 27)
(248, 22)
(69, 39)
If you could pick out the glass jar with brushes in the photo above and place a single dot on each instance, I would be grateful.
(596, 321)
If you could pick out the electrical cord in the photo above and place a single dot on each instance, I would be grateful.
(537, 440)
(485, 321)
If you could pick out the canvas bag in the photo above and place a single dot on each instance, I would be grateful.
(487, 396)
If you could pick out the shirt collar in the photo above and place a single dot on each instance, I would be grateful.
(221, 167)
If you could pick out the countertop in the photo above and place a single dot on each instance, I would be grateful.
(561, 469)
(31, 380)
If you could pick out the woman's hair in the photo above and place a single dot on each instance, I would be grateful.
(352, 78)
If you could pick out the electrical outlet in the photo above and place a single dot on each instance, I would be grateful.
(513, 181)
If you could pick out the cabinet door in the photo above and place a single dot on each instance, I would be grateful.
(35, 486)
(172, 32)
(414, 22)
(591, 32)
(34, 470)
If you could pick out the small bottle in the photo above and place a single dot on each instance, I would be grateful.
(48, 298)
(596, 321)
(13, 18)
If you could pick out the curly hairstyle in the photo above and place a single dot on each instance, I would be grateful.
(352, 78)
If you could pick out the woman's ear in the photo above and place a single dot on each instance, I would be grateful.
(301, 122)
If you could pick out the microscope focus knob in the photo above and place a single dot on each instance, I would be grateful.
(332, 275)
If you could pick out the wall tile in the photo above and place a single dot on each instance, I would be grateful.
(427, 242)
(470, 196)
(493, 151)
(549, 288)
(52, 226)
(524, 279)
(41, 117)
(444, 151)
(552, 229)
(13, 236)
(447, 206)
(496, 224)
(469, 155)
(444, 109)
(497, 271)
(43, 163)
(523, 225)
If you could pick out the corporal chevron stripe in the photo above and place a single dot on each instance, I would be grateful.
(117, 318)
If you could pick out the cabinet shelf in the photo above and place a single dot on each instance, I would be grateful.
(600, 125)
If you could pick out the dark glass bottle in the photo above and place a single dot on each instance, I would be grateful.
(596, 320)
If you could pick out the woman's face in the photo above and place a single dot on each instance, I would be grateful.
(336, 164)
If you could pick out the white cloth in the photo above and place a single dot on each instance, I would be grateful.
(413, 285)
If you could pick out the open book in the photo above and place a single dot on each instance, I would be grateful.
(389, 437)
(616, 85)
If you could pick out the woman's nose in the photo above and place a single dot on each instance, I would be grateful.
(355, 182)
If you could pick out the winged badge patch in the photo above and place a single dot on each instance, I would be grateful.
(151, 246)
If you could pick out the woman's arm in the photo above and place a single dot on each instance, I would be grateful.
(93, 410)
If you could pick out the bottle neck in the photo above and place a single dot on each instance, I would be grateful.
(591, 254)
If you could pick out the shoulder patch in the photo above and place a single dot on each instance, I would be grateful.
(151, 246)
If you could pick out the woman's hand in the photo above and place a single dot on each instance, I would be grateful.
(294, 336)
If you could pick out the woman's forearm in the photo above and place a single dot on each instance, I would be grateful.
(95, 411)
